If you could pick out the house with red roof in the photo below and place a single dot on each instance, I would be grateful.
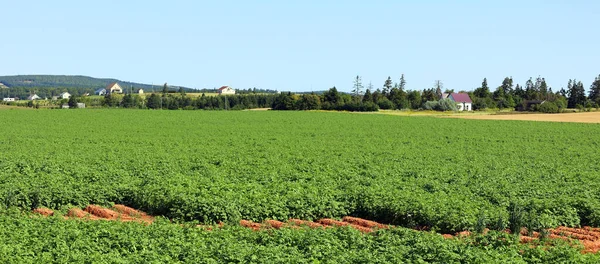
(463, 101)
(226, 90)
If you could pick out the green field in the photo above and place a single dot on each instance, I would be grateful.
(207, 166)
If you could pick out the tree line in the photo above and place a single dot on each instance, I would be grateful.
(392, 95)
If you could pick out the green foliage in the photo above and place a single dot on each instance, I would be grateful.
(72, 102)
(225, 166)
(549, 107)
(48, 240)
(385, 103)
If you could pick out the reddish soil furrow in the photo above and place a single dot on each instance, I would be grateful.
(588, 236)
(128, 211)
(78, 213)
(275, 224)
(43, 211)
(310, 224)
(102, 212)
(363, 222)
(331, 222)
(250, 224)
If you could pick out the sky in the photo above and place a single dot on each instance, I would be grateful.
(304, 45)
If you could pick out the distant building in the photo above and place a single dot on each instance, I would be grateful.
(9, 99)
(80, 105)
(226, 90)
(33, 97)
(65, 106)
(100, 92)
(140, 91)
(113, 88)
(463, 101)
(64, 95)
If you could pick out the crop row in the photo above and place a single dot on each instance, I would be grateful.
(447, 175)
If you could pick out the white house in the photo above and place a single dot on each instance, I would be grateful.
(113, 88)
(100, 92)
(64, 95)
(80, 105)
(226, 90)
(33, 97)
(8, 99)
(140, 91)
(463, 101)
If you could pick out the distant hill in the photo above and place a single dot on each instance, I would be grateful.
(73, 81)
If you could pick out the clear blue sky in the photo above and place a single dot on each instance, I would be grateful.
(304, 45)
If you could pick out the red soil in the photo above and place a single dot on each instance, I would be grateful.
(102, 212)
(250, 224)
(588, 236)
(331, 222)
(299, 222)
(363, 222)
(275, 224)
(78, 213)
(43, 211)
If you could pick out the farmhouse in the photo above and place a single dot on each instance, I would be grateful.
(64, 95)
(33, 97)
(226, 90)
(113, 88)
(9, 99)
(140, 91)
(463, 101)
(100, 92)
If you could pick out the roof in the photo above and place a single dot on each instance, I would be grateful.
(111, 85)
(461, 97)
(224, 87)
(64, 93)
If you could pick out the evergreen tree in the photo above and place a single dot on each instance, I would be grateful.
(414, 99)
(402, 84)
(332, 96)
(543, 89)
(576, 94)
(594, 94)
(438, 88)
(388, 84)
(530, 91)
(368, 97)
(519, 92)
(428, 95)
(483, 91)
(153, 101)
(358, 86)
(72, 102)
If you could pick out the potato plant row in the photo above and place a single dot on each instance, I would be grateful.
(446, 175)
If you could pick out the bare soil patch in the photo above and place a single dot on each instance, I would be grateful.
(587, 117)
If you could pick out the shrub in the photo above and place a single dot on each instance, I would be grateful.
(430, 105)
(385, 103)
(548, 107)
